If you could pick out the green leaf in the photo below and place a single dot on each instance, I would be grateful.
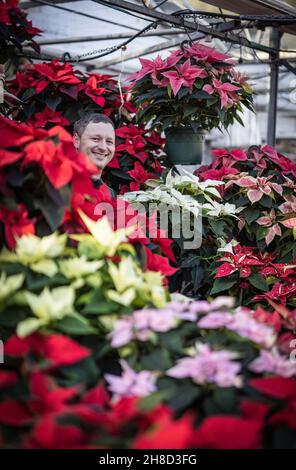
(171, 341)
(239, 120)
(202, 95)
(266, 201)
(222, 284)
(150, 402)
(36, 282)
(217, 226)
(225, 399)
(189, 109)
(157, 360)
(29, 93)
(52, 213)
(251, 214)
(259, 282)
(97, 305)
(75, 325)
(261, 232)
(84, 372)
(185, 395)
(53, 101)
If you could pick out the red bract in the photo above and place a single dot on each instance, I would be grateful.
(94, 91)
(140, 175)
(287, 166)
(7, 378)
(86, 198)
(287, 417)
(237, 262)
(14, 134)
(49, 434)
(58, 350)
(5, 8)
(48, 115)
(271, 319)
(55, 72)
(96, 396)
(7, 157)
(236, 154)
(59, 161)
(280, 388)
(134, 142)
(158, 263)
(167, 433)
(254, 410)
(47, 397)
(16, 223)
(229, 432)
(14, 413)
(159, 236)
(217, 175)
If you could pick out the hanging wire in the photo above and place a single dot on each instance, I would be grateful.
(101, 52)
(119, 80)
(104, 52)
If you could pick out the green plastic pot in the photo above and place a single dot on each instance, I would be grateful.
(185, 146)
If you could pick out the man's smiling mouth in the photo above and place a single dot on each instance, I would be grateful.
(99, 155)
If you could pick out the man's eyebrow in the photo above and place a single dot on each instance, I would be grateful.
(100, 135)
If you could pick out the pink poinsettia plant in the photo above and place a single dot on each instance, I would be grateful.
(262, 181)
(257, 262)
(195, 86)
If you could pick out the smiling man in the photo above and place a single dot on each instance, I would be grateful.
(94, 135)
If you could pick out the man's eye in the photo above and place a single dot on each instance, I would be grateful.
(110, 142)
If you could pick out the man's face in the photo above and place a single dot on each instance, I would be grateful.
(97, 142)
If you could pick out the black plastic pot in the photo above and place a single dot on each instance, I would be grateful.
(185, 146)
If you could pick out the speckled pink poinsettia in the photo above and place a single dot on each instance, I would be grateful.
(273, 228)
(258, 187)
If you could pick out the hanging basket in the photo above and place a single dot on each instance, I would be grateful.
(185, 146)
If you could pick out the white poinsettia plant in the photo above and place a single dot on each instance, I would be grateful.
(188, 193)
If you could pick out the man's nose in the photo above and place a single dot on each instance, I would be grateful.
(102, 144)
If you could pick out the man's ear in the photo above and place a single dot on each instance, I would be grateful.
(76, 140)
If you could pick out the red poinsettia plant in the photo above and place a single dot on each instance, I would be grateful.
(15, 30)
(45, 183)
(252, 276)
(68, 407)
(57, 94)
(194, 86)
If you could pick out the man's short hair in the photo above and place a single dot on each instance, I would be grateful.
(82, 123)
